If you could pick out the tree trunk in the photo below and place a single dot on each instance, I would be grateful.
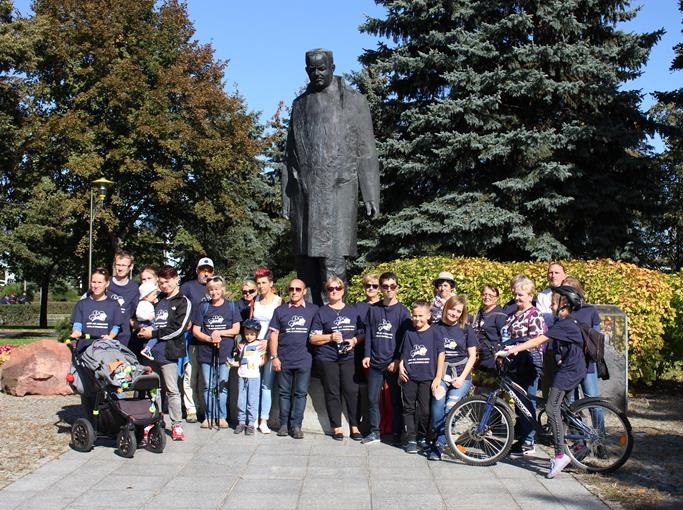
(44, 288)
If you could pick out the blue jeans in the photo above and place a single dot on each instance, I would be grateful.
(376, 378)
(590, 388)
(247, 400)
(299, 379)
(441, 407)
(525, 431)
(267, 376)
(220, 379)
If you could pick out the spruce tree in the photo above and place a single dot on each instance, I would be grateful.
(503, 130)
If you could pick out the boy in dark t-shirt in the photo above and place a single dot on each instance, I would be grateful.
(567, 345)
(420, 373)
(384, 328)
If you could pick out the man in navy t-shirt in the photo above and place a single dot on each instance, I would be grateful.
(291, 357)
(195, 291)
(124, 291)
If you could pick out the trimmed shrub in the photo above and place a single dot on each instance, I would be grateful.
(652, 300)
(28, 315)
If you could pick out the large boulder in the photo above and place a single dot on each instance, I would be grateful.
(38, 368)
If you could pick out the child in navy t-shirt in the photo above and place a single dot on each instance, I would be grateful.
(420, 373)
(567, 345)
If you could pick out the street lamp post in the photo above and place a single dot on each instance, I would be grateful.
(101, 185)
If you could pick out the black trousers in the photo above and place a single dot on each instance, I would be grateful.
(416, 397)
(337, 379)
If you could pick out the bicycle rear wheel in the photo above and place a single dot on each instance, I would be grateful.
(478, 434)
(598, 436)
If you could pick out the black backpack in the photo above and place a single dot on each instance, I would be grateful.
(594, 348)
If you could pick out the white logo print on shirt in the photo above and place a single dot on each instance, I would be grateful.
(162, 315)
(97, 315)
(450, 343)
(385, 325)
(341, 320)
(418, 350)
(216, 319)
(296, 320)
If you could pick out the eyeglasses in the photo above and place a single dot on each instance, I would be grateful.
(215, 279)
(389, 286)
(297, 289)
(248, 291)
(372, 285)
(491, 296)
(333, 289)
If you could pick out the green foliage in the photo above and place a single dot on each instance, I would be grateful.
(503, 129)
(652, 300)
(27, 315)
(124, 91)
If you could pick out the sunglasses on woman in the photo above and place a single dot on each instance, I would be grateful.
(333, 288)
(248, 292)
(215, 279)
(372, 285)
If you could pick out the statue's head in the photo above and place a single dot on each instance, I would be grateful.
(320, 68)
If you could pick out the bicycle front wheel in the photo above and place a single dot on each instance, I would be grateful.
(598, 436)
(479, 434)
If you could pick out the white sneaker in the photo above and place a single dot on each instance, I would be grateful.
(263, 428)
(557, 464)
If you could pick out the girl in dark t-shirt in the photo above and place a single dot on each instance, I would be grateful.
(567, 343)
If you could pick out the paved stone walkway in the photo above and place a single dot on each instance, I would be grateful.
(219, 470)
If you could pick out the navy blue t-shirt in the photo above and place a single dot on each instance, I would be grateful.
(567, 344)
(455, 342)
(590, 317)
(97, 318)
(385, 326)
(487, 326)
(127, 296)
(362, 308)
(420, 351)
(293, 324)
(328, 320)
(215, 318)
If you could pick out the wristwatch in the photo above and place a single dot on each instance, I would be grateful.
(273, 356)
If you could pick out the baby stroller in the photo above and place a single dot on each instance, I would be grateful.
(119, 396)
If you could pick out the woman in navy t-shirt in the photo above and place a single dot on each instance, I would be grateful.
(214, 325)
(96, 315)
(460, 345)
(334, 333)
(567, 344)
(487, 324)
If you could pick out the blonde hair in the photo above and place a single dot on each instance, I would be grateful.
(370, 276)
(526, 285)
(216, 280)
(334, 280)
(451, 303)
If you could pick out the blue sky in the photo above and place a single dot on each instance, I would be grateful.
(265, 41)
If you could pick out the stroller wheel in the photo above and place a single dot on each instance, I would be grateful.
(156, 439)
(126, 442)
(82, 435)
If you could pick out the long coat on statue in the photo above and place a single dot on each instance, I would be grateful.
(330, 151)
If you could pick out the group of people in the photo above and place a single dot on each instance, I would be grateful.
(425, 355)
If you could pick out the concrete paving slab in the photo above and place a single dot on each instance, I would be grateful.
(216, 470)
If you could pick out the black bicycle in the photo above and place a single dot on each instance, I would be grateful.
(480, 428)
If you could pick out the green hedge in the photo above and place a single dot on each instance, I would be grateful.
(652, 300)
(29, 315)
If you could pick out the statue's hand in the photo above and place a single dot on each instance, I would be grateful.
(371, 209)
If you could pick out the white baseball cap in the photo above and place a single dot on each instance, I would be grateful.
(205, 261)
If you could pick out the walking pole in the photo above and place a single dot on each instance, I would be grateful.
(209, 400)
(216, 388)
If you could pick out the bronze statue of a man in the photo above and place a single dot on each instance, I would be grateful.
(330, 151)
